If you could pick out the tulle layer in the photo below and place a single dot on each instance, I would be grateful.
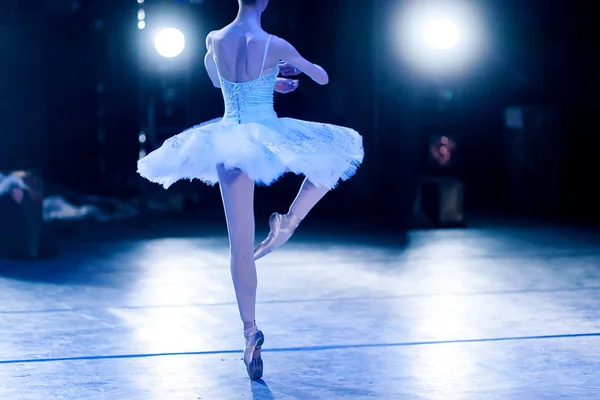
(326, 154)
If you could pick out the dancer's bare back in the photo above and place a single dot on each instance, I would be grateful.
(238, 53)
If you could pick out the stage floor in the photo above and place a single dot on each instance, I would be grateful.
(486, 314)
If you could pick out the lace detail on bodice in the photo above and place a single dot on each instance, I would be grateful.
(249, 101)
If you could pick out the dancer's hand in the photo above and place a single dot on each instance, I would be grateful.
(286, 69)
(285, 85)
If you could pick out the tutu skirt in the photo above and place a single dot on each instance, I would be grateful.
(265, 150)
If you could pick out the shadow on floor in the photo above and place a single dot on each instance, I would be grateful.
(260, 390)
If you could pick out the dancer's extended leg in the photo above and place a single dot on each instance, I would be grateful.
(283, 226)
(308, 196)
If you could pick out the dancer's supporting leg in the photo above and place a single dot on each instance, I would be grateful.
(237, 191)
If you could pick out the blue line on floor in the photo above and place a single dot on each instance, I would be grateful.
(318, 300)
(306, 348)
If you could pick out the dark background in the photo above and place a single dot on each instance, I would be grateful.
(71, 73)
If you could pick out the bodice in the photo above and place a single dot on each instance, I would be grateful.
(249, 101)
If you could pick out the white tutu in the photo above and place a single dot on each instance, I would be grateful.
(252, 138)
(264, 150)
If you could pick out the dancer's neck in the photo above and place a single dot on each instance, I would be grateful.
(249, 16)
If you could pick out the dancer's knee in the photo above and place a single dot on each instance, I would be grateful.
(242, 257)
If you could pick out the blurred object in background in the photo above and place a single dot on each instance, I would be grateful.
(441, 152)
(101, 209)
(22, 230)
(534, 164)
(441, 196)
(441, 202)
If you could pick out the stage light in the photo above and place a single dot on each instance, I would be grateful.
(443, 34)
(169, 42)
(438, 37)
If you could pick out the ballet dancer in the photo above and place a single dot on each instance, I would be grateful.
(250, 145)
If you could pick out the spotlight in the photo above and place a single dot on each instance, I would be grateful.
(438, 37)
(441, 33)
(169, 42)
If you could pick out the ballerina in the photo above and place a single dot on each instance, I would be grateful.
(250, 145)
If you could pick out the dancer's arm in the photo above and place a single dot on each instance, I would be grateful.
(288, 53)
(209, 62)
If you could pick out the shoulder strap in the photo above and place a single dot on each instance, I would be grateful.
(214, 51)
(265, 56)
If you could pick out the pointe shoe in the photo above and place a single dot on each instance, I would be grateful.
(282, 228)
(252, 358)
